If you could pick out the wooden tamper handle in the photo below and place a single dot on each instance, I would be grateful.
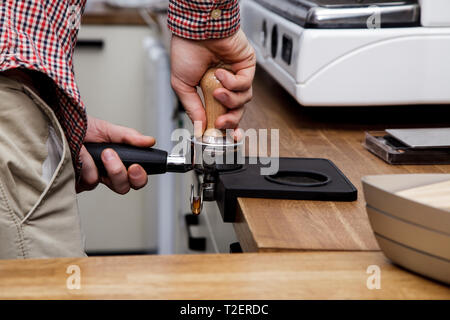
(213, 108)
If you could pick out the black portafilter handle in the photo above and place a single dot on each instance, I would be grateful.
(154, 161)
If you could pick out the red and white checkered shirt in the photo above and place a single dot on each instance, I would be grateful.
(40, 35)
(203, 19)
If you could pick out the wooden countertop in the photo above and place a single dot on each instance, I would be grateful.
(333, 133)
(326, 275)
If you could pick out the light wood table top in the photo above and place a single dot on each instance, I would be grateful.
(333, 133)
(313, 275)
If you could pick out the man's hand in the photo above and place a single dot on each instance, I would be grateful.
(119, 179)
(191, 59)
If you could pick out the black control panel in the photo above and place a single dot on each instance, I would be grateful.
(264, 33)
(286, 49)
(274, 42)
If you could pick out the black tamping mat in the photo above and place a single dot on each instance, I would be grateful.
(297, 179)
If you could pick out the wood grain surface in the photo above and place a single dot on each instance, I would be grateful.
(325, 275)
(436, 194)
(213, 107)
(333, 133)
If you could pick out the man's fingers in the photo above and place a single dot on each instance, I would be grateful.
(232, 99)
(137, 176)
(231, 119)
(241, 81)
(103, 131)
(191, 102)
(118, 178)
(119, 134)
(89, 174)
(117, 172)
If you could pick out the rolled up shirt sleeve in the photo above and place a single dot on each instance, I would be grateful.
(204, 19)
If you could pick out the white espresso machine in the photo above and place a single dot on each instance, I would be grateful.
(354, 52)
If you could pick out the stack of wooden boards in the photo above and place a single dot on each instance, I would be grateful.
(410, 216)
(434, 194)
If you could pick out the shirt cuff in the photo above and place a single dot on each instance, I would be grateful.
(203, 19)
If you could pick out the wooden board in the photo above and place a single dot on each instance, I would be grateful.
(336, 134)
(326, 275)
(435, 195)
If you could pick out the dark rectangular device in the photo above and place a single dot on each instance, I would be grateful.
(394, 151)
(297, 179)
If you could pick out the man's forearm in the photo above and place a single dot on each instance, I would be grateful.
(204, 19)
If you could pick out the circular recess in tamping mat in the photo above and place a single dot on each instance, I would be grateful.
(299, 178)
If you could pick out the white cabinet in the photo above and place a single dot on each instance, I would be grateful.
(110, 71)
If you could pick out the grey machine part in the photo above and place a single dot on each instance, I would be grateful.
(422, 138)
(326, 14)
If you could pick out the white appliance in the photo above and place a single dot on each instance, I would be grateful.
(123, 74)
(354, 52)
(161, 106)
(109, 67)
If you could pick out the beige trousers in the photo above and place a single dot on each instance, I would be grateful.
(38, 206)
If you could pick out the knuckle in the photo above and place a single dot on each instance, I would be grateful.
(123, 190)
(137, 186)
(234, 104)
(138, 183)
(115, 172)
(174, 83)
(231, 122)
(249, 97)
(90, 187)
(252, 55)
(245, 84)
(91, 181)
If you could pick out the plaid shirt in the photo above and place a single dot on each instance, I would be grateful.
(40, 35)
(203, 19)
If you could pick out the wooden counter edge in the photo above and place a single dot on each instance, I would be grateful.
(243, 232)
(308, 275)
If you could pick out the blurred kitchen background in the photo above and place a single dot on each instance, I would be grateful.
(322, 52)
(122, 69)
